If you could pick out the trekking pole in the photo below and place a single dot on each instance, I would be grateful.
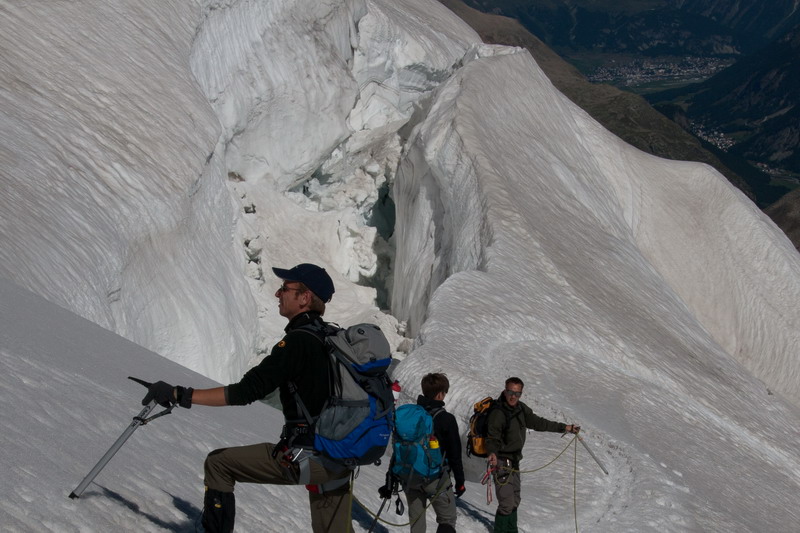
(135, 423)
(596, 460)
(375, 521)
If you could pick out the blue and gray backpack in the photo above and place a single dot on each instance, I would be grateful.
(355, 424)
(417, 459)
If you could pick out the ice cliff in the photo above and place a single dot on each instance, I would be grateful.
(158, 164)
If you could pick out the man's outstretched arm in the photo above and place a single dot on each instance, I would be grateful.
(213, 397)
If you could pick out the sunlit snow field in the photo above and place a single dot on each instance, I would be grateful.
(160, 156)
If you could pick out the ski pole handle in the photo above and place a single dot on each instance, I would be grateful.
(596, 460)
(137, 421)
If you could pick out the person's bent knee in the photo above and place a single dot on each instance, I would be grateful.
(505, 509)
(213, 460)
(216, 476)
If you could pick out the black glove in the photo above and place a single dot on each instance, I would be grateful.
(390, 487)
(163, 393)
(460, 490)
(385, 492)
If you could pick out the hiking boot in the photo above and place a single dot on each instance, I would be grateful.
(506, 523)
(219, 510)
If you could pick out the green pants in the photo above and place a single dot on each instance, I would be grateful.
(254, 464)
(508, 488)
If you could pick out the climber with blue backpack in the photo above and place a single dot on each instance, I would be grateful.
(334, 392)
(426, 448)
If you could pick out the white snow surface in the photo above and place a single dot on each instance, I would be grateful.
(159, 157)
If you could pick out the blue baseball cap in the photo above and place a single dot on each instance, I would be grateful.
(312, 276)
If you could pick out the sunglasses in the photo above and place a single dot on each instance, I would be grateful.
(284, 288)
(513, 392)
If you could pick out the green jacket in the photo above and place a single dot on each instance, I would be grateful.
(507, 428)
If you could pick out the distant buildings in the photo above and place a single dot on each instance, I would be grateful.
(644, 71)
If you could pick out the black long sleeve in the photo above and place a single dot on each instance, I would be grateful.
(445, 427)
(299, 358)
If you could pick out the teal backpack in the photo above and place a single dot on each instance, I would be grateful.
(417, 459)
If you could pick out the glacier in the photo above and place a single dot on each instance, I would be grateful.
(159, 157)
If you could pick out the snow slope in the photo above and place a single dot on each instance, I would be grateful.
(160, 157)
(66, 400)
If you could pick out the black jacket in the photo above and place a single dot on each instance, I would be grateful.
(301, 358)
(445, 428)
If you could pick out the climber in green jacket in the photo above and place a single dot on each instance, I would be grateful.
(506, 433)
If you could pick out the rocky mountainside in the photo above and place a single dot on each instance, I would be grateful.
(650, 27)
(755, 22)
(753, 105)
(786, 214)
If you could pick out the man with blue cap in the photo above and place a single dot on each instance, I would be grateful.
(297, 363)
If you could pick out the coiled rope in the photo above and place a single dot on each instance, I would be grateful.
(491, 473)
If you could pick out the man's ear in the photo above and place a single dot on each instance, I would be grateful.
(306, 298)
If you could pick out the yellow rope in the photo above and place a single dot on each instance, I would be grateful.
(350, 506)
(574, 476)
(543, 466)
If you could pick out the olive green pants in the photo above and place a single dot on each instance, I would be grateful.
(508, 488)
(440, 493)
(255, 464)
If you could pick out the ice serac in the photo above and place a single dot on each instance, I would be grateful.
(400, 60)
(528, 189)
(109, 178)
(277, 74)
(311, 98)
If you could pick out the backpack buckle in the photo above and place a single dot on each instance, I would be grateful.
(291, 430)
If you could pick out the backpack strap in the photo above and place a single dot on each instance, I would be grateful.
(319, 329)
(445, 463)
(509, 416)
(301, 407)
